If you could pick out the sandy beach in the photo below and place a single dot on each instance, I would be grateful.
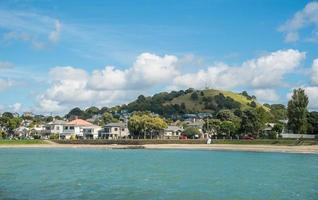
(217, 147)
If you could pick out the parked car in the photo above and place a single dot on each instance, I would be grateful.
(183, 137)
(247, 137)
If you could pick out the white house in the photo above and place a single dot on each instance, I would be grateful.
(172, 132)
(80, 129)
(55, 127)
(22, 131)
(115, 131)
(39, 127)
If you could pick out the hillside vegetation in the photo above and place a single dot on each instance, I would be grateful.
(207, 96)
(194, 101)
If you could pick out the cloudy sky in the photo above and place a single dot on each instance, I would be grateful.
(55, 55)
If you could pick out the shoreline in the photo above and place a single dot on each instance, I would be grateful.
(307, 149)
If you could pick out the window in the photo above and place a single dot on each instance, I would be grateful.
(116, 129)
(71, 127)
(66, 127)
(57, 128)
(122, 129)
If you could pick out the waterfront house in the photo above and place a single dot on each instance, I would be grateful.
(115, 131)
(80, 128)
(21, 132)
(55, 127)
(268, 128)
(172, 132)
(39, 128)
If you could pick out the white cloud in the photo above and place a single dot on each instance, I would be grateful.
(29, 27)
(5, 84)
(148, 70)
(312, 92)
(314, 72)
(16, 107)
(108, 79)
(264, 72)
(266, 95)
(71, 86)
(47, 105)
(302, 19)
(67, 73)
(54, 36)
(154, 69)
(6, 65)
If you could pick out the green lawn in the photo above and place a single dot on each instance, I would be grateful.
(5, 142)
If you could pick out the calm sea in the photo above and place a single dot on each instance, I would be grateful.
(156, 174)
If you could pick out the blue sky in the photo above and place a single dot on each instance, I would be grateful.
(55, 55)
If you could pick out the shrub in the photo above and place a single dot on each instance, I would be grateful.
(73, 137)
(36, 137)
(54, 136)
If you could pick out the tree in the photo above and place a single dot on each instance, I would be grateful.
(278, 128)
(263, 115)
(244, 93)
(49, 119)
(212, 126)
(225, 115)
(108, 118)
(92, 111)
(312, 118)
(7, 114)
(13, 123)
(227, 127)
(143, 124)
(253, 104)
(297, 111)
(103, 110)
(76, 112)
(194, 96)
(250, 123)
(191, 132)
(278, 111)
(3, 134)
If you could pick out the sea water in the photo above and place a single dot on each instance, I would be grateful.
(85, 173)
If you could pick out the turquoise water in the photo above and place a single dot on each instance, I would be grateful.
(156, 174)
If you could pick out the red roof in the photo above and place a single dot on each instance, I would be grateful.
(80, 122)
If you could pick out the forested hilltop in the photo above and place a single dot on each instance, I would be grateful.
(173, 105)
(177, 103)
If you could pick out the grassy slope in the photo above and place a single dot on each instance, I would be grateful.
(17, 142)
(196, 106)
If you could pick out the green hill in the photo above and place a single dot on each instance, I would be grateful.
(193, 101)
(198, 106)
